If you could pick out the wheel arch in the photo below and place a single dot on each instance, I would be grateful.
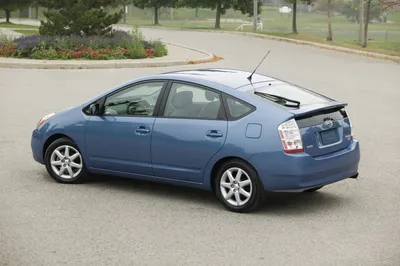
(217, 165)
(53, 138)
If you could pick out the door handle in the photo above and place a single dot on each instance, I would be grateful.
(214, 134)
(142, 130)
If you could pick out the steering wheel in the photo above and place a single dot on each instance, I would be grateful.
(140, 107)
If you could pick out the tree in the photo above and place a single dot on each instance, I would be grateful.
(294, 18)
(329, 6)
(391, 4)
(336, 5)
(10, 5)
(76, 17)
(372, 9)
(155, 4)
(330, 33)
(365, 41)
(352, 10)
(244, 6)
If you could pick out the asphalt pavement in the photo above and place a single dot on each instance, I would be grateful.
(116, 221)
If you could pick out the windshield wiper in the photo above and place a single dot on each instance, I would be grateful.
(281, 100)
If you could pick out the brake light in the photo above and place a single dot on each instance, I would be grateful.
(290, 137)
(351, 126)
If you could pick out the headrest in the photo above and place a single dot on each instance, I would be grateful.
(210, 95)
(182, 99)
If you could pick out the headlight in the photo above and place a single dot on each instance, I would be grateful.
(45, 118)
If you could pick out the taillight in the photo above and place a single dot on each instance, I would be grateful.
(290, 136)
(351, 126)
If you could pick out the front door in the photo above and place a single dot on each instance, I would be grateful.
(191, 130)
(119, 139)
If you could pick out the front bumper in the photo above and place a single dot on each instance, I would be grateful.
(298, 172)
(37, 147)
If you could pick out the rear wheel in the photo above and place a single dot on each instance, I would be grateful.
(313, 189)
(64, 162)
(238, 187)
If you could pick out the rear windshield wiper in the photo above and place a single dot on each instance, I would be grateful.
(278, 99)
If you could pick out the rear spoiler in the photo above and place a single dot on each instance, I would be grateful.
(310, 110)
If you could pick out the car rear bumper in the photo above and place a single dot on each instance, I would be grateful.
(37, 146)
(298, 172)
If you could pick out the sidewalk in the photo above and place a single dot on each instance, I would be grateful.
(9, 33)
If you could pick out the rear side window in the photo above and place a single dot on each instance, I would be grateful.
(236, 108)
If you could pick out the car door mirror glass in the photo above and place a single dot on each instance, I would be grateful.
(94, 109)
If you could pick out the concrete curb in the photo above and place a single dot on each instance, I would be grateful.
(275, 38)
(106, 64)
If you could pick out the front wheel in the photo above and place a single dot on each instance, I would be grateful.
(238, 187)
(64, 162)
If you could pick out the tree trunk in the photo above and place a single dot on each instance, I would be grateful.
(124, 14)
(294, 22)
(8, 15)
(330, 34)
(218, 18)
(365, 41)
(197, 13)
(37, 12)
(156, 15)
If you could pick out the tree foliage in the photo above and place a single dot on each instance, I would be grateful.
(336, 5)
(294, 9)
(391, 4)
(155, 4)
(352, 10)
(221, 6)
(10, 5)
(77, 17)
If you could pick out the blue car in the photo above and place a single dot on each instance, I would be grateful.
(222, 130)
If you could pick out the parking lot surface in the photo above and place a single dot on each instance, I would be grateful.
(116, 221)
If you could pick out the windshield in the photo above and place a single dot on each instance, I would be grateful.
(291, 92)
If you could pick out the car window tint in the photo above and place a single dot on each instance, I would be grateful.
(188, 101)
(237, 108)
(136, 100)
(292, 92)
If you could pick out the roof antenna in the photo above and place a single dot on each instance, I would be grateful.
(251, 76)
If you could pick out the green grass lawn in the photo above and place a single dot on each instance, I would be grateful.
(15, 26)
(27, 32)
(389, 48)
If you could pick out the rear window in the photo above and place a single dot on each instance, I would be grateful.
(290, 91)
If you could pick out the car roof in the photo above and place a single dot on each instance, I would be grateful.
(228, 77)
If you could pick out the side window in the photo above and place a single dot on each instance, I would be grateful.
(189, 101)
(137, 100)
(237, 108)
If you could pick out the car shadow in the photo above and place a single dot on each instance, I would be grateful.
(275, 203)
(298, 203)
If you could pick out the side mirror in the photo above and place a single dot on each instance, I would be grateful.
(94, 109)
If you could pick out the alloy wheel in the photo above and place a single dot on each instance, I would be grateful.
(236, 186)
(66, 162)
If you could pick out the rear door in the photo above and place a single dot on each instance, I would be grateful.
(323, 122)
(190, 130)
(324, 130)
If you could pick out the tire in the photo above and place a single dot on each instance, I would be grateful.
(227, 190)
(55, 159)
(313, 189)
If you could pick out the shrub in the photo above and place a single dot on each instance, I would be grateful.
(115, 45)
(78, 17)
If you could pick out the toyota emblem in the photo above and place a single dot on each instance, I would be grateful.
(328, 123)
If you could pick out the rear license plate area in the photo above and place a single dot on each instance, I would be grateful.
(329, 136)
